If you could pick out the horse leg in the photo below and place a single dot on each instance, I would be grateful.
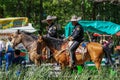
(30, 59)
(98, 63)
(37, 62)
(62, 65)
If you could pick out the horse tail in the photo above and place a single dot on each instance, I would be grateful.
(108, 56)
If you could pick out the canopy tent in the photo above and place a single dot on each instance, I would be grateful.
(10, 25)
(11, 22)
(101, 27)
(28, 28)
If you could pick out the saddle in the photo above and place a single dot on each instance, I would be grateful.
(81, 49)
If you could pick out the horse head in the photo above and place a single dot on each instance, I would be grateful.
(41, 44)
(16, 38)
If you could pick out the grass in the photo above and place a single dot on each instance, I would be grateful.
(47, 73)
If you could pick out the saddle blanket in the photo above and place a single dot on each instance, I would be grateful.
(81, 49)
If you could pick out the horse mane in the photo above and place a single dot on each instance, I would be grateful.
(53, 42)
(30, 34)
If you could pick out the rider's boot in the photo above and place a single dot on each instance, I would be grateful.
(49, 55)
(72, 60)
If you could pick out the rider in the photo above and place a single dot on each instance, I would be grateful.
(77, 37)
(51, 28)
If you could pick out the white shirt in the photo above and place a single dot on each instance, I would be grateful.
(2, 46)
(7, 44)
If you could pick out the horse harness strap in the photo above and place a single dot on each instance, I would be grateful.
(60, 52)
(29, 46)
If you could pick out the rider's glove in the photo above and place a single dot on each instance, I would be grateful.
(64, 39)
(70, 38)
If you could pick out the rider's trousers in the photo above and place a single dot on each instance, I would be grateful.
(72, 49)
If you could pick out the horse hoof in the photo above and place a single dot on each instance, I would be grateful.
(71, 66)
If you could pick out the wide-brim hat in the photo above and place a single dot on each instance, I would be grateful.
(49, 17)
(79, 18)
(75, 18)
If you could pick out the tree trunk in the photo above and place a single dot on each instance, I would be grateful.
(17, 9)
(94, 11)
(2, 13)
(29, 8)
(41, 13)
(83, 9)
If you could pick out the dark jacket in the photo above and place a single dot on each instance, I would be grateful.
(18, 60)
(52, 31)
(78, 33)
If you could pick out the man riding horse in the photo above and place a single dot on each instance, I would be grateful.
(51, 28)
(77, 37)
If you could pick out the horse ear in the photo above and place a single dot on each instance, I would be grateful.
(39, 32)
(18, 31)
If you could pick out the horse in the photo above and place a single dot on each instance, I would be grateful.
(60, 51)
(31, 44)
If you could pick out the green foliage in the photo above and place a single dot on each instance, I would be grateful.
(63, 9)
(47, 73)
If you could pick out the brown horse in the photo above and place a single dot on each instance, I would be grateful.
(60, 52)
(31, 43)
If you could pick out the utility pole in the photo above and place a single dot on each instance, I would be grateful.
(41, 13)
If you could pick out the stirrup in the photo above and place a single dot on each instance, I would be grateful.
(71, 65)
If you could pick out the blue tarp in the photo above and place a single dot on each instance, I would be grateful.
(101, 27)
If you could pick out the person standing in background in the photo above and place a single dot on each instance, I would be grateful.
(2, 46)
(17, 58)
(9, 53)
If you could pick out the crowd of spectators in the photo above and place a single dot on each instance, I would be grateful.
(11, 56)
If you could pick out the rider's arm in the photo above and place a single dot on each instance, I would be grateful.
(78, 32)
(52, 30)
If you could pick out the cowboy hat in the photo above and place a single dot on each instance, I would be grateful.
(75, 18)
(49, 17)
(79, 18)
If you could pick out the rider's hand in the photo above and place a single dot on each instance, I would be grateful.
(64, 39)
(44, 36)
(70, 38)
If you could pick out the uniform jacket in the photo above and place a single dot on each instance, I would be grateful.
(52, 30)
(78, 33)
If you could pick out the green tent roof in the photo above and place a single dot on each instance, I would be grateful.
(101, 27)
